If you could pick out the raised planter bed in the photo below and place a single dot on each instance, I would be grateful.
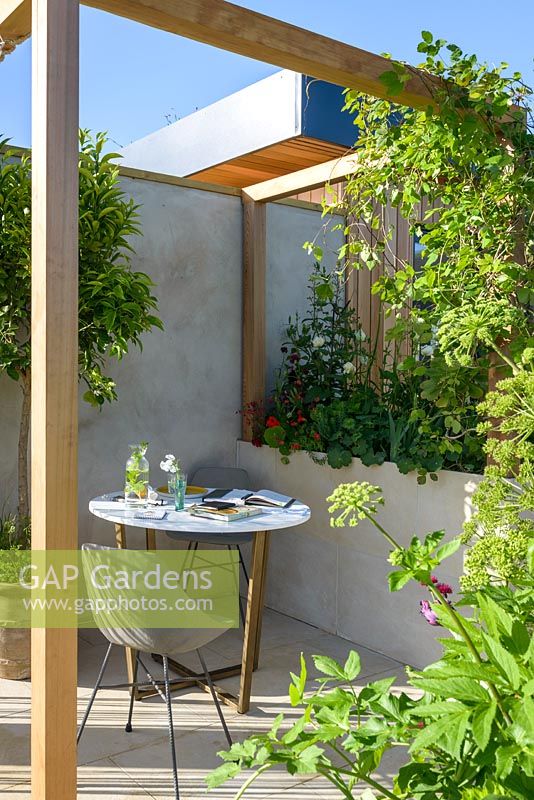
(335, 578)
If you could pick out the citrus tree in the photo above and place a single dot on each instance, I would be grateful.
(116, 304)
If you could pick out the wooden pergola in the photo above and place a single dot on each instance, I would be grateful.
(54, 425)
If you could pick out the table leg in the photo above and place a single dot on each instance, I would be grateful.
(150, 539)
(131, 655)
(262, 601)
(120, 535)
(253, 618)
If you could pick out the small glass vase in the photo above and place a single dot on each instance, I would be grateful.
(177, 487)
(136, 477)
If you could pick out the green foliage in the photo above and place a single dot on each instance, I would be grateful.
(501, 530)
(15, 542)
(468, 156)
(14, 536)
(468, 735)
(15, 231)
(116, 304)
(333, 396)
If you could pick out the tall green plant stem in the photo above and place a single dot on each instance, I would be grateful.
(456, 618)
(251, 780)
(364, 777)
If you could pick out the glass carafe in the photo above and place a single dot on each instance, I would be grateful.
(136, 477)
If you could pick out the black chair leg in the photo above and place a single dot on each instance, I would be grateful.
(245, 573)
(128, 727)
(168, 701)
(93, 695)
(215, 698)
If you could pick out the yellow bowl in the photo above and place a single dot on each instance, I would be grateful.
(196, 490)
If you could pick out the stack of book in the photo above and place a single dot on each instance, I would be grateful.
(230, 505)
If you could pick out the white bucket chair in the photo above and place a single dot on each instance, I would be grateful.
(164, 642)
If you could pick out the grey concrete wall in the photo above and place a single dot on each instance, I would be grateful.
(183, 391)
(288, 270)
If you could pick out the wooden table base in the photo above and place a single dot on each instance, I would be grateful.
(251, 637)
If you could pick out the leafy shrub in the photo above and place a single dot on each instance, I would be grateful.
(333, 396)
(469, 736)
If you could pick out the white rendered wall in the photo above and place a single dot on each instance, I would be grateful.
(336, 578)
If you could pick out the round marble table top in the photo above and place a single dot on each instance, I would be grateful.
(270, 519)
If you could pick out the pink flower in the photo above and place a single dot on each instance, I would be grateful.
(443, 588)
(428, 613)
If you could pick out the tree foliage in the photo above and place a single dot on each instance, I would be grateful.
(116, 304)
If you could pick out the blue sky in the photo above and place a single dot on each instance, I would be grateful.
(131, 77)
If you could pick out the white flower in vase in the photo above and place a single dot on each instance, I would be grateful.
(170, 464)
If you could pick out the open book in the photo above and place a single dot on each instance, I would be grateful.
(240, 497)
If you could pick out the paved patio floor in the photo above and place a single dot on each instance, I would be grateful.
(120, 766)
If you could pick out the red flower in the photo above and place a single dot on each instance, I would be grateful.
(293, 423)
(295, 446)
(316, 436)
(272, 422)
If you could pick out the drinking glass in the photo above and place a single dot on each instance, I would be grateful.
(180, 484)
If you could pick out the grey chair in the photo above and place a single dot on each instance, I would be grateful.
(220, 478)
(166, 643)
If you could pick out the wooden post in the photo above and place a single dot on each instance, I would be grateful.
(54, 376)
(254, 266)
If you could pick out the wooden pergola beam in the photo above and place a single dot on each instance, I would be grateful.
(254, 270)
(54, 415)
(303, 180)
(15, 20)
(239, 30)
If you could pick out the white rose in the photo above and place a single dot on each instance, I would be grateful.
(427, 350)
(318, 341)
(165, 466)
(349, 368)
(360, 336)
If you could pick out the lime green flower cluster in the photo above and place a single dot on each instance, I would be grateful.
(354, 501)
(502, 528)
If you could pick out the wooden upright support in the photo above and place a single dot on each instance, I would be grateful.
(54, 376)
(254, 266)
